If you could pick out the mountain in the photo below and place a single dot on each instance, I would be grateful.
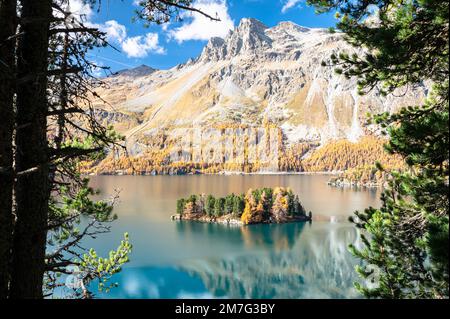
(141, 70)
(255, 75)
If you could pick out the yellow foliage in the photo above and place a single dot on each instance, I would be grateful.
(284, 202)
(338, 155)
(247, 214)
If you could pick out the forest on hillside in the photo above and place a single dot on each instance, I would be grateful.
(334, 156)
(51, 138)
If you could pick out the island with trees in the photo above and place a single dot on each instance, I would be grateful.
(257, 206)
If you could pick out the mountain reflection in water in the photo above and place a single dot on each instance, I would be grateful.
(196, 260)
(290, 261)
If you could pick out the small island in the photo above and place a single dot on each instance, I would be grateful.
(257, 206)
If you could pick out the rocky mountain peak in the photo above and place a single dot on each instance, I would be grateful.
(251, 25)
(142, 70)
(253, 39)
(248, 38)
(290, 26)
(252, 74)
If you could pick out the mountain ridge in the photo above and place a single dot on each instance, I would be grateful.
(139, 71)
(254, 75)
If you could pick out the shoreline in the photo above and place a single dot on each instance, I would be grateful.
(227, 173)
(277, 173)
(331, 183)
(231, 220)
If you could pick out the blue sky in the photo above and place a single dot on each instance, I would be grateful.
(163, 47)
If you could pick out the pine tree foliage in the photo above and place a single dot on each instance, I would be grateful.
(259, 205)
(406, 44)
(50, 127)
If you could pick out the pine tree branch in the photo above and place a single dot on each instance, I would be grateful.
(183, 7)
(65, 111)
(75, 30)
(69, 152)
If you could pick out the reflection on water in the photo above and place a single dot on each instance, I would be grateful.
(301, 265)
(196, 260)
(275, 237)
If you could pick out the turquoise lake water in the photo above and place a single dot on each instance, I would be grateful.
(173, 259)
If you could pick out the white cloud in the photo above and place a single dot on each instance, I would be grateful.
(373, 20)
(289, 4)
(81, 9)
(165, 26)
(200, 27)
(114, 30)
(78, 10)
(135, 47)
(140, 46)
(97, 70)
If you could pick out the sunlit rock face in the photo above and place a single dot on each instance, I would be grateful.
(255, 74)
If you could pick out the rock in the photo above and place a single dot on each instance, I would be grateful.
(256, 72)
(139, 71)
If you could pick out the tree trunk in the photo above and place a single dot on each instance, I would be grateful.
(7, 68)
(32, 189)
(59, 138)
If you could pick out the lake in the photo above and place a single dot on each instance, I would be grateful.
(173, 259)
